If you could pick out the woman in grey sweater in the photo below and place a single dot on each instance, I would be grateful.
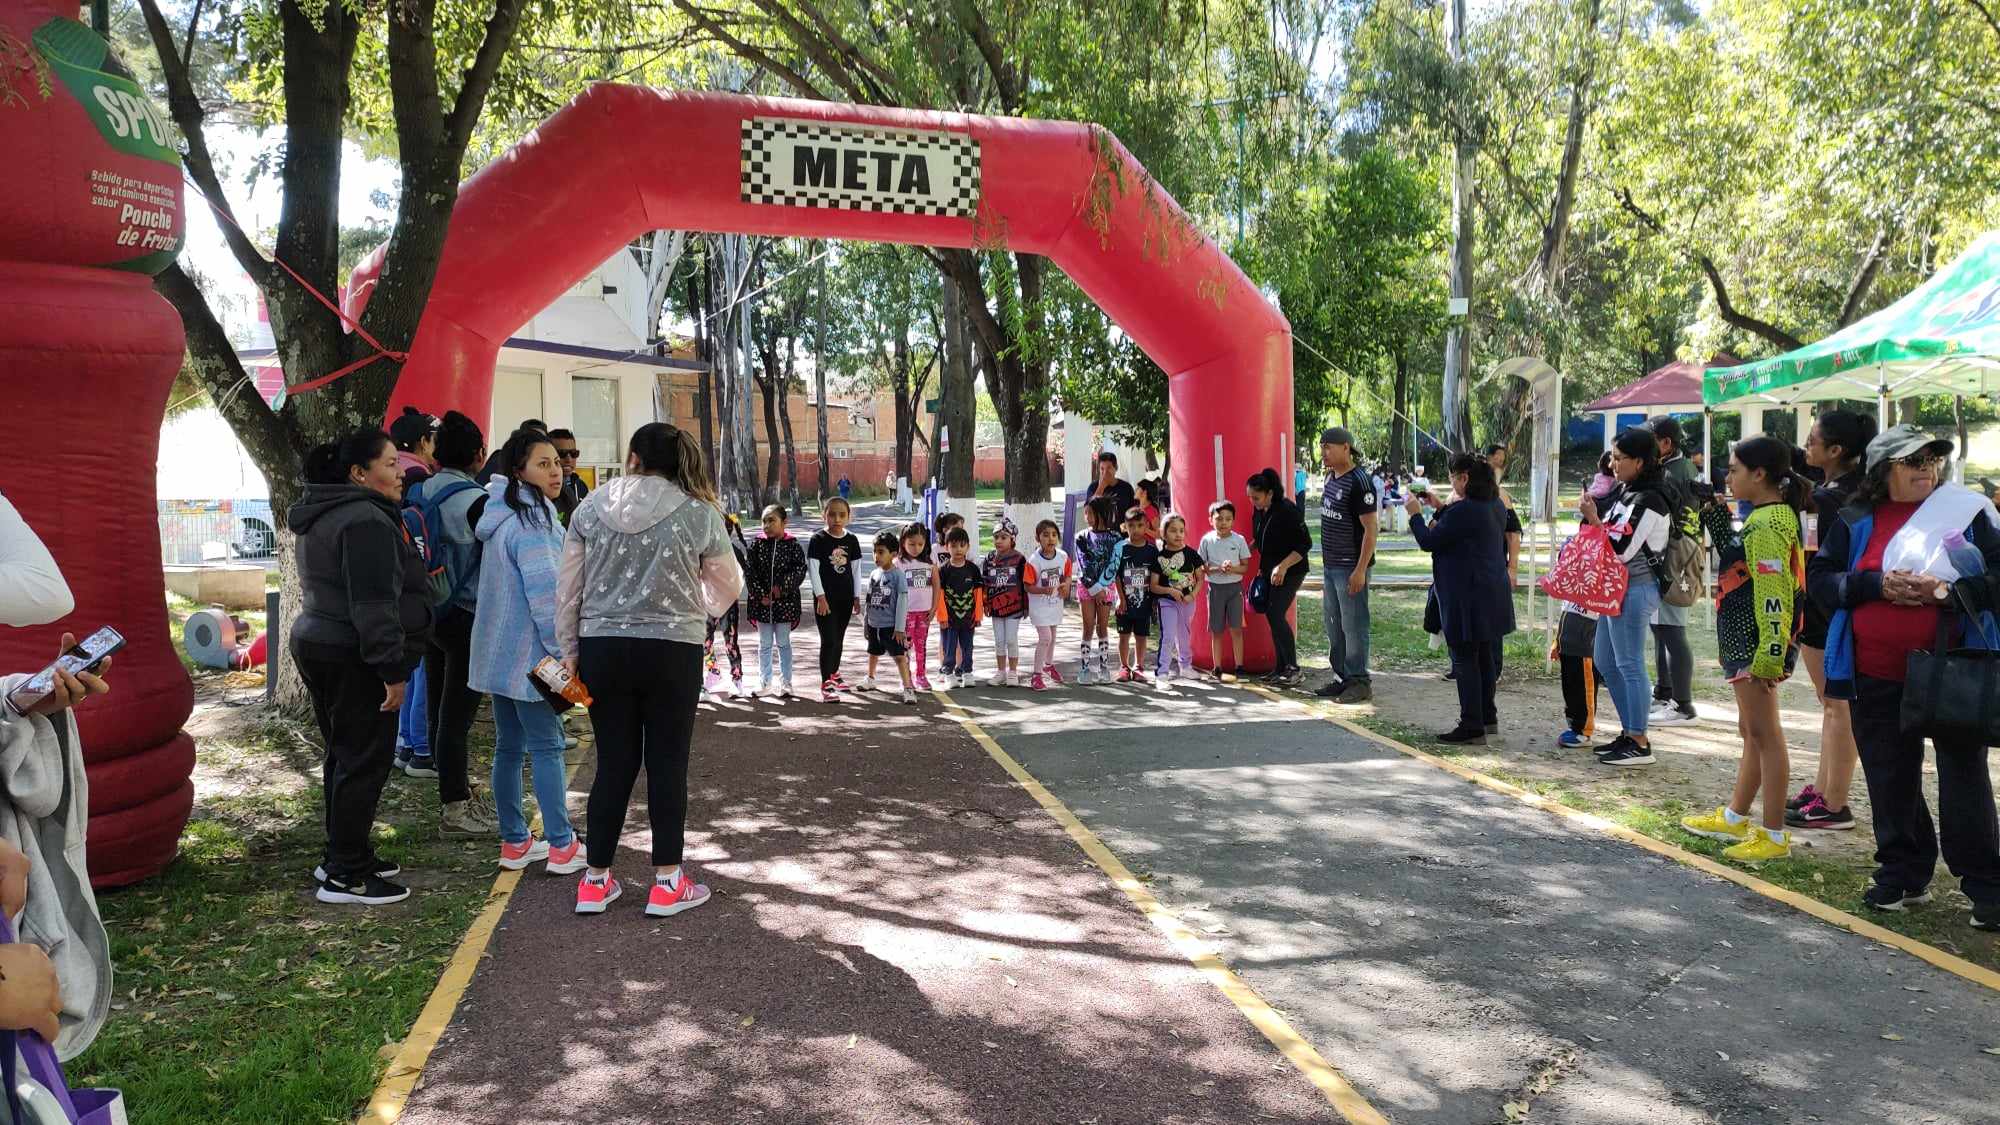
(646, 563)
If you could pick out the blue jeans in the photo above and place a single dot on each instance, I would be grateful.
(1346, 617)
(772, 634)
(532, 731)
(956, 641)
(1620, 650)
(412, 726)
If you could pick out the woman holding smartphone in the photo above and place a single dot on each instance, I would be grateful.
(365, 623)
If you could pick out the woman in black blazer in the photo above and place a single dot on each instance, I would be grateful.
(1468, 545)
(1278, 532)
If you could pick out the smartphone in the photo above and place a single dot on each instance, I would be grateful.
(86, 655)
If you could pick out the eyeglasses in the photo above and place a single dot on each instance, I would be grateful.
(566, 454)
(1922, 459)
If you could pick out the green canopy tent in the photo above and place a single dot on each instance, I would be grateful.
(1943, 338)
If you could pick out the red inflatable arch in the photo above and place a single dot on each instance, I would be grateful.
(623, 160)
(88, 352)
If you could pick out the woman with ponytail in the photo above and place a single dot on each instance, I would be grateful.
(364, 621)
(646, 563)
(1757, 619)
(1835, 447)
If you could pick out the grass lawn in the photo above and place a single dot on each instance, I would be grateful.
(240, 998)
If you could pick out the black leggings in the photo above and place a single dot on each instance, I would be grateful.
(643, 695)
(1675, 662)
(360, 741)
(1476, 665)
(1278, 612)
(833, 634)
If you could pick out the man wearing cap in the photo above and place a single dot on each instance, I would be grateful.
(1347, 528)
(1893, 573)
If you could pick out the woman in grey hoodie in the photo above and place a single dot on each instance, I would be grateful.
(646, 563)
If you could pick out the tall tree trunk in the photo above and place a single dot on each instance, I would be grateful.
(785, 419)
(957, 411)
(746, 416)
(1458, 334)
(704, 344)
(769, 384)
(819, 391)
(1399, 423)
(724, 344)
(899, 386)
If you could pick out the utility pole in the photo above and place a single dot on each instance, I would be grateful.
(1458, 331)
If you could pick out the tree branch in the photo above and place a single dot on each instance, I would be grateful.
(1730, 315)
(818, 50)
(1864, 277)
(477, 81)
(1987, 14)
(798, 82)
(188, 114)
(1006, 83)
(214, 362)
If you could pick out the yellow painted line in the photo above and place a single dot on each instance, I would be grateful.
(392, 1094)
(1958, 966)
(1345, 1099)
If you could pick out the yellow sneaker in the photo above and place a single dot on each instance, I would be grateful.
(1715, 825)
(1760, 848)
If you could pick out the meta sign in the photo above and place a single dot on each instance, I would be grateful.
(795, 163)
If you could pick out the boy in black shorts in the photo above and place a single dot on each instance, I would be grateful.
(886, 602)
(1132, 568)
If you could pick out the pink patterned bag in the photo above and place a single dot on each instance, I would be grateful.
(1587, 573)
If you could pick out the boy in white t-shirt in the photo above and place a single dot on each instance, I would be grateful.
(1225, 556)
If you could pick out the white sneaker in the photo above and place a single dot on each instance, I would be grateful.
(868, 684)
(909, 696)
(763, 688)
(785, 690)
(738, 690)
(1672, 716)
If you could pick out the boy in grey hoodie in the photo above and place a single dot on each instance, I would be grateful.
(886, 602)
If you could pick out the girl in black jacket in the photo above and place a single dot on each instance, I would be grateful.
(365, 623)
(1279, 536)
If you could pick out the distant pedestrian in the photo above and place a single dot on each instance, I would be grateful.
(728, 625)
(1107, 484)
(415, 435)
(573, 487)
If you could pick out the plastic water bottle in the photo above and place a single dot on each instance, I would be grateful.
(1968, 562)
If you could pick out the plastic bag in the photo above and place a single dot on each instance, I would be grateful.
(1587, 573)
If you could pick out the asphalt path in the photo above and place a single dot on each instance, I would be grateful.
(1463, 957)
(899, 934)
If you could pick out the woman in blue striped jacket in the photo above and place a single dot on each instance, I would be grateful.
(520, 537)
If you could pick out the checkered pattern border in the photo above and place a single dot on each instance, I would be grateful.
(958, 196)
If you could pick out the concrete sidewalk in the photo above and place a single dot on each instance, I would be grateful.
(1454, 951)
(899, 934)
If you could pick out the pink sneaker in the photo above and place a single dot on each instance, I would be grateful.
(1124, 675)
(684, 894)
(1055, 677)
(923, 682)
(569, 860)
(592, 897)
(514, 857)
(1038, 683)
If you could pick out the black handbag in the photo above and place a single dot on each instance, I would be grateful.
(1952, 694)
(1260, 594)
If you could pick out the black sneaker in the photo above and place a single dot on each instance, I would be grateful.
(1879, 897)
(1356, 694)
(1815, 814)
(1625, 752)
(1620, 742)
(1332, 689)
(383, 869)
(369, 891)
(1463, 736)
(1986, 917)
(1804, 798)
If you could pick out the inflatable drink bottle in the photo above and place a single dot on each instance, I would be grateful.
(90, 211)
